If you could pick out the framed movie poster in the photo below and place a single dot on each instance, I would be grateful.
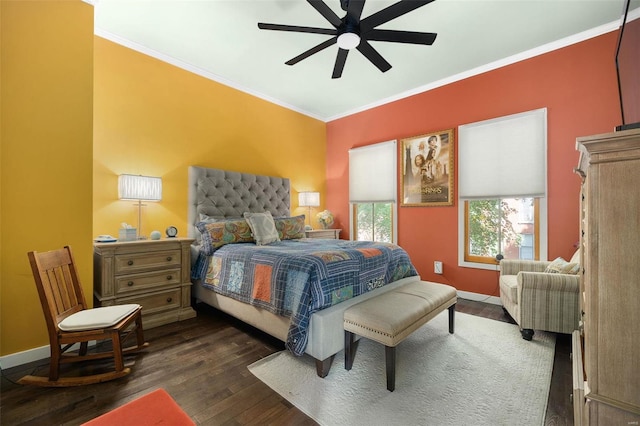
(428, 169)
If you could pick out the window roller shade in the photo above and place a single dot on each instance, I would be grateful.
(503, 157)
(372, 173)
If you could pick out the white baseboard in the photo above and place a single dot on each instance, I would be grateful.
(477, 297)
(25, 357)
(31, 355)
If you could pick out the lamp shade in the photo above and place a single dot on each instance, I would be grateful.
(309, 199)
(136, 187)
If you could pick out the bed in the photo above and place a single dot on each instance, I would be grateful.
(309, 322)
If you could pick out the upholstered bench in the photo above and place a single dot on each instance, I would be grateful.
(393, 316)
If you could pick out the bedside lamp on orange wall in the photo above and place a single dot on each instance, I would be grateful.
(139, 188)
(309, 199)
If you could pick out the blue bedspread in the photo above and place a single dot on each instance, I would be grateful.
(296, 278)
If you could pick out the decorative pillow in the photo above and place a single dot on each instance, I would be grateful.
(263, 227)
(561, 266)
(576, 257)
(290, 228)
(217, 234)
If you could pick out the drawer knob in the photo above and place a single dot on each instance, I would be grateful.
(169, 299)
(130, 262)
(168, 258)
(130, 283)
(169, 277)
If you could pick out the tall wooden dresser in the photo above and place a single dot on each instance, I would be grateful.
(152, 273)
(606, 350)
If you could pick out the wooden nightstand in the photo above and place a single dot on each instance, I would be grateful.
(152, 273)
(324, 233)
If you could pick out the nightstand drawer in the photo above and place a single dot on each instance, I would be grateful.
(150, 280)
(155, 302)
(330, 234)
(134, 262)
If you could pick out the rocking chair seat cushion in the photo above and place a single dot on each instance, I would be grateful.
(91, 319)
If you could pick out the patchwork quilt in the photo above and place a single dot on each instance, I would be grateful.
(296, 278)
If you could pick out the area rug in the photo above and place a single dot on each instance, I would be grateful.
(155, 408)
(484, 374)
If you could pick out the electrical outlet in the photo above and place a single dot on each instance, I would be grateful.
(437, 267)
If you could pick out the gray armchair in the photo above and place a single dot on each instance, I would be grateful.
(538, 300)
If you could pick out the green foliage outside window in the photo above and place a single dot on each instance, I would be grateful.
(374, 222)
(490, 227)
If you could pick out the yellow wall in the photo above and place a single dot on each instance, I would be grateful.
(78, 110)
(152, 118)
(46, 153)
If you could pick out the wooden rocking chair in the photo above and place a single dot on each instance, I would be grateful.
(69, 321)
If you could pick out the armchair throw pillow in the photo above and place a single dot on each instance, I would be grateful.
(561, 266)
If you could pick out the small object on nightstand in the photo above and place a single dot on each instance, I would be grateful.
(105, 239)
(127, 234)
(172, 231)
(155, 235)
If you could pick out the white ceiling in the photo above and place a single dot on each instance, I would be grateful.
(220, 39)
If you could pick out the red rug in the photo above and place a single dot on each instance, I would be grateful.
(155, 408)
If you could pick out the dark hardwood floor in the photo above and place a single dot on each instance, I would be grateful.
(202, 364)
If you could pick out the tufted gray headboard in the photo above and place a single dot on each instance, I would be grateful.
(224, 194)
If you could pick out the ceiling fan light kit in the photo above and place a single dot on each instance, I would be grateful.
(351, 32)
(348, 41)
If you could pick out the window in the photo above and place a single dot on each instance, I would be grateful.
(373, 222)
(495, 226)
(502, 189)
(372, 192)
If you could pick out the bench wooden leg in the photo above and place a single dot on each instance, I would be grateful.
(348, 348)
(452, 311)
(390, 359)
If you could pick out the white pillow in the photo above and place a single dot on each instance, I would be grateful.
(262, 227)
(576, 257)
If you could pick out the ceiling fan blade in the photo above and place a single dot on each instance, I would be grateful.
(311, 51)
(391, 12)
(372, 54)
(297, 29)
(355, 10)
(340, 61)
(401, 36)
(326, 11)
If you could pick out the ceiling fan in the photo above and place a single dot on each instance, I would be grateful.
(352, 32)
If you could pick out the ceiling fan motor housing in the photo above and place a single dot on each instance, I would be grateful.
(348, 33)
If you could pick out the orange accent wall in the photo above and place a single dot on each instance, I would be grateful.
(152, 118)
(577, 85)
(46, 151)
